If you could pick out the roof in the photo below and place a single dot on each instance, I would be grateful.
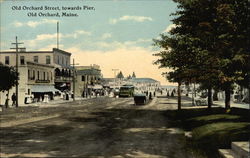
(147, 80)
(54, 50)
(88, 72)
(61, 51)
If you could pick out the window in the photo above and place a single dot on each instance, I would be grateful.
(7, 60)
(57, 59)
(36, 59)
(22, 61)
(38, 76)
(44, 77)
(47, 75)
(29, 76)
(34, 74)
(83, 78)
(63, 60)
(48, 59)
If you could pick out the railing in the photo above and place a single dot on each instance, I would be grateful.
(62, 78)
(42, 81)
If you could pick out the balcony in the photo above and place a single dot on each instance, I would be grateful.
(62, 79)
(42, 81)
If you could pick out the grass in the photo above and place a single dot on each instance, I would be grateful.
(212, 129)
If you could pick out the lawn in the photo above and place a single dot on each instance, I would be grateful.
(212, 129)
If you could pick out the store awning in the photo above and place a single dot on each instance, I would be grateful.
(43, 89)
(97, 87)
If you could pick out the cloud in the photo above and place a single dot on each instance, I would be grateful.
(169, 28)
(106, 35)
(130, 18)
(40, 39)
(34, 24)
(76, 33)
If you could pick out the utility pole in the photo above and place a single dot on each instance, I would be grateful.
(74, 80)
(115, 73)
(17, 48)
(57, 35)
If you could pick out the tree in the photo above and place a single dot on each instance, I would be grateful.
(129, 77)
(8, 80)
(133, 75)
(120, 75)
(204, 44)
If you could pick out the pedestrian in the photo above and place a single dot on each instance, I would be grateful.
(172, 94)
(7, 100)
(13, 98)
(150, 95)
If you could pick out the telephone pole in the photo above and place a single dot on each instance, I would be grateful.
(115, 74)
(74, 80)
(57, 29)
(17, 49)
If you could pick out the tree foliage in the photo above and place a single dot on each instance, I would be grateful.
(8, 77)
(209, 45)
(120, 75)
(133, 75)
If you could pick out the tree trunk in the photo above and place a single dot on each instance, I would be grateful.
(209, 98)
(215, 95)
(227, 98)
(179, 96)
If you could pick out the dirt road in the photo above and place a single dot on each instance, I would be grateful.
(104, 127)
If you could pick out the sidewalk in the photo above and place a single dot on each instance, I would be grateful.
(13, 116)
(233, 104)
(35, 107)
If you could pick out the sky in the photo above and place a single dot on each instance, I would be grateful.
(114, 34)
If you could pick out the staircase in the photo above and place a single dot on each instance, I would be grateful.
(239, 150)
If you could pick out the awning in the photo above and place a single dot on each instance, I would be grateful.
(43, 89)
(97, 87)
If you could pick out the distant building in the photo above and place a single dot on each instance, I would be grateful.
(39, 72)
(88, 78)
(145, 84)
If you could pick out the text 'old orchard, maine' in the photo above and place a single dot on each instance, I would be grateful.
(52, 11)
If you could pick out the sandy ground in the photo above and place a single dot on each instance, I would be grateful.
(103, 127)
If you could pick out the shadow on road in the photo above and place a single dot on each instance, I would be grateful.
(107, 133)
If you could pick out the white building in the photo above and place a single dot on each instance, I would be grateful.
(39, 72)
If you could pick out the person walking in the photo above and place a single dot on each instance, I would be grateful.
(13, 98)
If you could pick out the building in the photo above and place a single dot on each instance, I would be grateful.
(88, 78)
(145, 84)
(142, 84)
(39, 73)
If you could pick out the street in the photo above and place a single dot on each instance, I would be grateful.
(100, 127)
